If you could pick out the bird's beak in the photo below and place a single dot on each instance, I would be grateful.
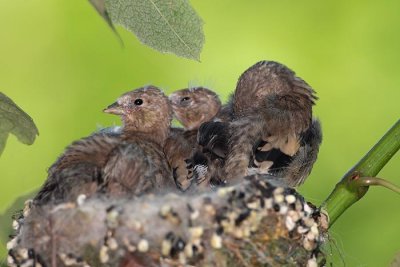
(174, 99)
(114, 108)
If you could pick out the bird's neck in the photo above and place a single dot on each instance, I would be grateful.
(157, 134)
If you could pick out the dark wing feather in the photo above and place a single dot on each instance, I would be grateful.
(213, 137)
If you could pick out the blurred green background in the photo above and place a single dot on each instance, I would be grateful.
(61, 63)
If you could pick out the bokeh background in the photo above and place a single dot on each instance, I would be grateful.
(62, 65)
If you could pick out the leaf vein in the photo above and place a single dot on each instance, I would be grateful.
(170, 26)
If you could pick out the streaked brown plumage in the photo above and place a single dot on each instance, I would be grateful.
(284, 100)
(192, 107)
(269, 127)
(127, 163)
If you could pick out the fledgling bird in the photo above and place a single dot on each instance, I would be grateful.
(194, 106)
(290, 170)
(191, 107)
(271, 128)
(128, 163)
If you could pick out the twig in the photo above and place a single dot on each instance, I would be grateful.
(349, 190)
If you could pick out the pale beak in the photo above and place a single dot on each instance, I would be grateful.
(114, 108)
(174, 99)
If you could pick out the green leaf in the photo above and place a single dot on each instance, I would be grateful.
(100, 7)
(14, 120)
(166, 25)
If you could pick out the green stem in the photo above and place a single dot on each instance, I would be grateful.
(348, 191)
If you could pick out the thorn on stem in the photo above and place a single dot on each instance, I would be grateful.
(368, 181)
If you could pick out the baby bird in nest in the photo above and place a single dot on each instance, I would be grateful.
(269, 127)
(131, 162)
(191, 107)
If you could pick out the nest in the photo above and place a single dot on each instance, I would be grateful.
(254, 223)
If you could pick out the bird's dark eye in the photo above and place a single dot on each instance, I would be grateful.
(184, 99)
(138, 102)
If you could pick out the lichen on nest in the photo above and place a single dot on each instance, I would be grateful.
(253, 223)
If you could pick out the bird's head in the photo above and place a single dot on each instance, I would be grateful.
(272, 92)
(144, 109)
(270, 80)
(194, 106)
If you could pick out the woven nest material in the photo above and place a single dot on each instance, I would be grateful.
(253, 223)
